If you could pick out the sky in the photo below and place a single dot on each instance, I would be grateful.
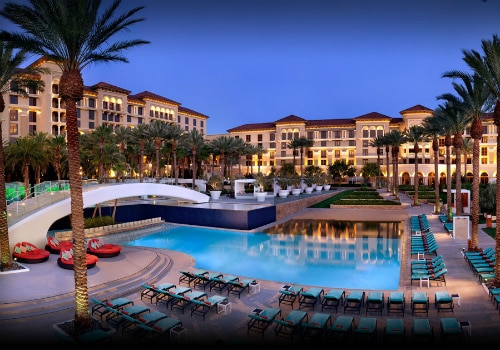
(252, 61)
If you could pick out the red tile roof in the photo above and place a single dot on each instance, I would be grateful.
(147, 95)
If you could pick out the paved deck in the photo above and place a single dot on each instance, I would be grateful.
(31, 302)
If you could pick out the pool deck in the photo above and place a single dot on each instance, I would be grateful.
(31, 302)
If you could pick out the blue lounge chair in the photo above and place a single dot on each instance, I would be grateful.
(443, 301)
(308, 298)
(375, 302)
(315, 328)
(261, 319)
(236, 287)
(419, 303)
(188, 277)
(181, 301)
(203, 305)
(160, 328)
(341, 328)
(332, 299)
(204, 280)
(451, 329)
(366, 329)
(396, 303)
(219, 283)
(395, 330)
(287, 327)
(354, 300)
(102, 307)
(422, 330)
(288, 294)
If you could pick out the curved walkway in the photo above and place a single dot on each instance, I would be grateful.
(46, 283)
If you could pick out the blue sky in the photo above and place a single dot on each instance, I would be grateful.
(251, 61)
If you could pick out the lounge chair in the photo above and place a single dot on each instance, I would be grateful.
(375, 302)
(65, 259)
(130, 324)
(219, 283)
(28, 253)
(203, 305)
(354, 300)
(422, 330)
(396, 303)
(366, 329)
(315, 328)
(261, 319)
(341, 328)
(181, 301)
(287, 327)
(237, 287)
(451, 329)
(115, 316)
(97, 247)
(204, 280)
(167, 295)
(188, 277)
(308, 298)
(443, 301)
(438, 276)
(54, 245)
(332, 299)
(102, 307)
(419, 303)
(288, 294)
(395, 330)
(150, 292)
(156, 330)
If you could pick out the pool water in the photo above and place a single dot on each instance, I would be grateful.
(342, 255)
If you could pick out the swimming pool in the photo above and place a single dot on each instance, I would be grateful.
(336, 255)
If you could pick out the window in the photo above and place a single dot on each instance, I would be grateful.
(259, 144)
(365, 133)
(118, 107)
(283, 154)
(337, 134)
(194, 122)
(365, 143)
(14, 99)
(13, 129)
(337, 153)
(283, 135)
(323, 143)
(31, 129)
(485, 130)
(484, 139)
(129, 119)
(259, 137)
(309, 154)
(91, 115)
(186, 120)
(32, 91)
(336, 143)
(32, 101)
(283, 145)
(484, 160)
(32, 117)
(365, 152)
(202, 124)
(140, 110)
(351, 153)
(272, 137)
(272, 145)
(111, 106)
(484, 151)
(55, 89)
(323, 161)
(91, 125)
(105, 104)
(14, 115)
(104, 116)
(323, 154)
(248, 138)
(352, 143)
(324, 134)
(186, 128)
(310, 135)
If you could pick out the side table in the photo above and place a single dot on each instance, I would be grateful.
(254, 287)
(224, 307)
(178, 334)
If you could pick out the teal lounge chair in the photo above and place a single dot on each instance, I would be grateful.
(204, 280)
(167, 295)
(419, 303)
(130, 324)
(366, 329)
(396, 303)
(181, 301)
(375, 302)
(341, 328)
(354, 300)
(451, 329)
(236, 287)
(158, 329)
(188, 277)
(150, 292)
(203, 305)
(288, 294)
(261, 319)
(422, 330)
(315, 328)
(308, 298)
(395, 330)
(102, 307)
(443, 301)
(287, 327)
(332, 299)
(219, 283)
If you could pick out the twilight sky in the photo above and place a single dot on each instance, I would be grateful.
(251, 61)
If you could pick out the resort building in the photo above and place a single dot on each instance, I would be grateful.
(333, 139)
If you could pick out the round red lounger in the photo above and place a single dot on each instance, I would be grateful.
(65, 259)
(28, 253)
(100, 249)
(54, 246)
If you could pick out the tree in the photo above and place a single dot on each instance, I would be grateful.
(73, 35)
(194, 141)
(139, 136)
(303, 143)
(487, 66)
(157, 130)
(395, 138)
(13, 80)
(433, 129)
(378, 143)
(416, 134)
(340, 169)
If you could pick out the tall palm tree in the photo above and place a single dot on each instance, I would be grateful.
(487, 66)
(416, 134)
(459, 119)
(174, 135)
(433, 129)
(395, 138)
(73, 34)
(378, 143)
(303, 143)
(12, 80)
(23, 153)
(102, 135)
(293, 145)
(467, 150)
(194, 141)
(122, 138)
(57, 147)
(140, 136)
(259, 151)
(477, 101)
(157, 130)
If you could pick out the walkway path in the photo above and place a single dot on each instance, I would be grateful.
(46, 290)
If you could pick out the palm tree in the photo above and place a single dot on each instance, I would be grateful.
(12, 80)
(477, 101)
(23, 153)
(378, 143)
(194, 141)
(259, 151)
(293, 145)
(458, 119)
(140, 137)
(467, 148)
(122, 137)
(157, 130)
(434, 130)
(102, 135)
(487, 66)
(303, 143)
(174, 135)
(395, 138)
(57, 147)
(416, 134)
(73, 35)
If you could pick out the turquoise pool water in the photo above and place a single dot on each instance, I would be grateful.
(328, 254)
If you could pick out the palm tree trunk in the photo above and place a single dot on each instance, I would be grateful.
(496, 117)
(4, 225)
(415, 178)
(437, 205)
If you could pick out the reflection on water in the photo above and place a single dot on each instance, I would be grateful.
(351, 255)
